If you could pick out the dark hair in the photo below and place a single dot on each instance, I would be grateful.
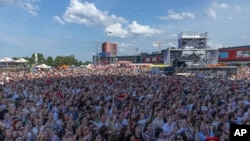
(113, 137)
(182, 134)
(135, 126)
(2, 137)
(103, 131)
(158, 131)
(95, 135)
(146, 126)
(123, 131)
(220, 126)
(230, 115)
(28, 101)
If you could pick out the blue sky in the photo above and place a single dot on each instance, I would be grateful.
(77, 27)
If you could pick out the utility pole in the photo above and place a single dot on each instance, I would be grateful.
(159, 47)
(159, 44)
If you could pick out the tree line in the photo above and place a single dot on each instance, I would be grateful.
(58, 61)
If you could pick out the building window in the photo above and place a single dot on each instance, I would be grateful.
(154, 59)
(147, 59)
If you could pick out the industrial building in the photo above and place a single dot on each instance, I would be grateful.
(192, 50)
(235, 55)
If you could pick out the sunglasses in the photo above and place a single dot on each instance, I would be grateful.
(21, 129)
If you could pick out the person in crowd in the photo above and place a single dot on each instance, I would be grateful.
(97, 137)
(181, 137)
(9, 135)
(83, 133)
(158, 120)
(137, 133)
(106, 103)
(159, 136)
(148, 133)
(124, 134)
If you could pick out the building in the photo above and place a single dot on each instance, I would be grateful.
(180, 57)
(235, 55)
(192, 51)
(155, 58)
(192, 40)
(9, 64)
(109, 48)
(106, 60)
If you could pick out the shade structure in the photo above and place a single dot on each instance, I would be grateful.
(7, 59)
(43, 66)
(21, 60)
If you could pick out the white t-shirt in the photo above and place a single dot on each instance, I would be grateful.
(158, 123)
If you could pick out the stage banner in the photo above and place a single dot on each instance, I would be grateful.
(243, 54)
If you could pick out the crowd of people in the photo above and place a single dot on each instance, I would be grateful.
(119, 105)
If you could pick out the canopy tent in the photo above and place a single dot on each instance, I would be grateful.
(7, 59)
(63, 66)
(43, 66)
(21, 60)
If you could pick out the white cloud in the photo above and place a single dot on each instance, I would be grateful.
(137, 29)
(178, 16)
(219, 5)
(121, 50)
(156, 44)
(58, 20)
(238, 9)
(32, 9)
(116, 30)
(243, 37)
(171, 44)
(123, 45)
(229, 18)
(27, 5)
(164, 44)
(173, 35)
(214, 8)
(87, 14)
(215, 45)
(211, 13)
(133, 29)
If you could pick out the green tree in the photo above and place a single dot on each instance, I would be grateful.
(66, 60)
(14, 58)
(59, 60)
(80, 63)
(50, 61)
(40, 58)
(86, 62)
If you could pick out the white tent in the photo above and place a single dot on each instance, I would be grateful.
(43, 66)
(21, 60)
(7, 59)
